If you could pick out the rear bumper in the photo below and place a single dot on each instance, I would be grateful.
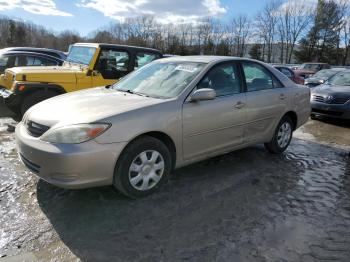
(329, 110)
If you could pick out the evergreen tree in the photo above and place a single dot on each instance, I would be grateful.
(255, 52)
(320, 44)
(223, 48)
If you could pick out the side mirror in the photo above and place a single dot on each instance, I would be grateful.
(92, 73)
(203, 94)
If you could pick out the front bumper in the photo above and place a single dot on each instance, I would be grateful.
(11, 99)
(331, 110)
(4, 93)
(82, 165)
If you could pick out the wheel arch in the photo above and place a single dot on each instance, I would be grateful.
(294, 117)
(166, 139)
(34, 87)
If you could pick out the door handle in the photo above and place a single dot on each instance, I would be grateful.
(239, 105)
(282, 96)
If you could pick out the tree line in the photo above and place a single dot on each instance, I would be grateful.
(282, 32)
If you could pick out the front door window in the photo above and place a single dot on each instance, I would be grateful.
(113, 64)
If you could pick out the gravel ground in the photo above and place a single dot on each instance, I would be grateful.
(248, 205)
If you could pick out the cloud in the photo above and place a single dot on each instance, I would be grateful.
(166, 11)
(303, 7)
(42, 7)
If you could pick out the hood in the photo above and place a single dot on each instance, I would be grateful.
(333, 90)
(87, 106)
(315, 79)
(47, 74)
(305, 71)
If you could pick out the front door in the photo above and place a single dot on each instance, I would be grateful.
(215, 125)
(111, 65)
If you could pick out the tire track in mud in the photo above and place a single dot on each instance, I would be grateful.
(322, 197)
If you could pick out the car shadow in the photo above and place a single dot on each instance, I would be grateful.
(4, 111)
(183, 219)
(334, 121)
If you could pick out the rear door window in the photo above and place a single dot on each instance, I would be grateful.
(38, 61)
(258, 77)
(143, 58)
(286, 72)
(3, 63)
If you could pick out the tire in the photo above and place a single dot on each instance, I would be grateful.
(313, 117)
(136, 175)
(35, 98)
(282, 137)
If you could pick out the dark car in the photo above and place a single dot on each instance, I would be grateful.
(332, 99)
(51, 52)
(291, 74)
(308, 69)
(322, 76)
(19, 58)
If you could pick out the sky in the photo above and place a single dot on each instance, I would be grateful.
(85, 16)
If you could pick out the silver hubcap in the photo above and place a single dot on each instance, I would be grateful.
(146, 170)
(284, 134)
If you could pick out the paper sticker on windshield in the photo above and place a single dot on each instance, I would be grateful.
(187, 68)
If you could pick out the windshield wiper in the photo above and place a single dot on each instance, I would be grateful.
(71, 60)
(132, 92)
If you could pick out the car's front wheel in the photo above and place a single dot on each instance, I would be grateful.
(282, 137)
(142, 167)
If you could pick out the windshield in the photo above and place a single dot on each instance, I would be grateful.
(310, 66)
(325, 73)
(162, 80)
(81, 54)
(340, 79)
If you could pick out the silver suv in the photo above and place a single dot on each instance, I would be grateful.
(166, 115)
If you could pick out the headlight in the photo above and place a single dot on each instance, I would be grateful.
(74, 134)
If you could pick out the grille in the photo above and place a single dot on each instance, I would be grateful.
(340, 100)
(36, 129)
(319, 98)
(331, 100)
(30, 165)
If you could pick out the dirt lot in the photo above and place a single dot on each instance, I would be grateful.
(248, 205)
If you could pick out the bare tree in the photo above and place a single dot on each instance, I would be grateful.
(238, 32)
(294, 20)
(267, 25)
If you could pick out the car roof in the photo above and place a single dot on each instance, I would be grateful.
(282, 66)
(31, 53)
(116, 45)
(336, 69)
(204, 58)
(32, 49)
(315, 63)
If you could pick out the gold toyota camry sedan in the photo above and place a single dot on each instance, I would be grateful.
(168, 114)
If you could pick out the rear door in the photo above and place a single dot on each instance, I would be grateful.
(266, 101)
(215, 125)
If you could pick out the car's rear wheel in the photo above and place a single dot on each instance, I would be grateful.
(35, 98)
(142, 167)
(282, 137)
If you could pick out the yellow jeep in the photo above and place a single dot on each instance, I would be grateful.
(87, 65)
